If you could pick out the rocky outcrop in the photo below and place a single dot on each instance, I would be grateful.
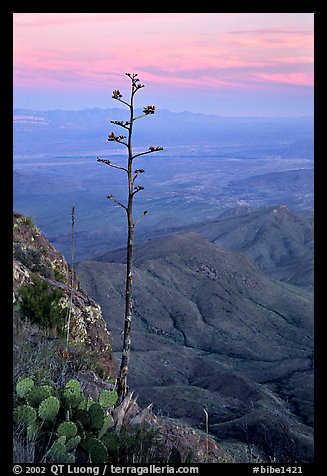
(33, 254)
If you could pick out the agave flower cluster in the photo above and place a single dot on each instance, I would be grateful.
(116, 94)
(155, 148)
(112, 137)
(149, 109)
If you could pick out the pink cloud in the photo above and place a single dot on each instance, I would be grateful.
(89, 50)
(294, 60)
(295, 79)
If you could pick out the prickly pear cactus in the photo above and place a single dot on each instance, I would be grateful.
(59, 444)
(59, 451)
(97, 416)
(97, 451)
(62, 458)
(37, 394)
(85, 404)
(107, 423)
(72, 393)
(25, 414)
(23, 386)
(67, 429)
(80, 429)
(49, 408)
(76, 421)
(72, 443)
(33, 430)
(73, 385)
(83, 418)
(108, 398)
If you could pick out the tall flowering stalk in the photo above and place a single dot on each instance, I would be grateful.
(132, 176)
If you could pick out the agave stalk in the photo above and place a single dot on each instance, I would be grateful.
(207, 431)
(72, 278)
(122, 388)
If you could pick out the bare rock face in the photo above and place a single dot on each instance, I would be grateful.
(33, 254)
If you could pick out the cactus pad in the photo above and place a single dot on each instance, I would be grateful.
(108, 398)
(49, 408)
(107, 423)
(25, 415)
(68, 429)
(32, 431)
(97, 450)
(60, 458)
(83, 418)
(97, 416)
(36, 395)
(59, 444)
(86, 403)
(72, 443)
(23, 386)
(73, 385)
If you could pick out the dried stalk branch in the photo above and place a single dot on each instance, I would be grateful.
(107, 162)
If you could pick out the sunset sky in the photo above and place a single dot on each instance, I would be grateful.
(233, 64)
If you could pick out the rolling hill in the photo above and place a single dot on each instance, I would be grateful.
(278, 239)
(212, 331)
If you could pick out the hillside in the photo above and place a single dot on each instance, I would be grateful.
(136, 434)
(211, 330)
(279, 240)
(294, 187)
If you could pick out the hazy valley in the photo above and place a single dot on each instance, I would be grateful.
(208, 164)
(223, 301)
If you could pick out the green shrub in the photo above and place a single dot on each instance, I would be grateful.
(40, 305)
(59, 275)
(30, 257)
(28, 220)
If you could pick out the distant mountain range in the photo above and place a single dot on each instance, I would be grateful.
(211, 330)
(91, 127)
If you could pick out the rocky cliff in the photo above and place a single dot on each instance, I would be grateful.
(33, 254)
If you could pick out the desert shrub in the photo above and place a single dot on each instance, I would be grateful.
(82, 357)
(59, 275)
(40, 305)
(27, 220)
(32, 259)
(142, 445)
(29, 257)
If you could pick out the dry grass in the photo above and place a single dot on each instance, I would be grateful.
(23, 447)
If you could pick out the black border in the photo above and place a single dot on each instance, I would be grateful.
(6, 190)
